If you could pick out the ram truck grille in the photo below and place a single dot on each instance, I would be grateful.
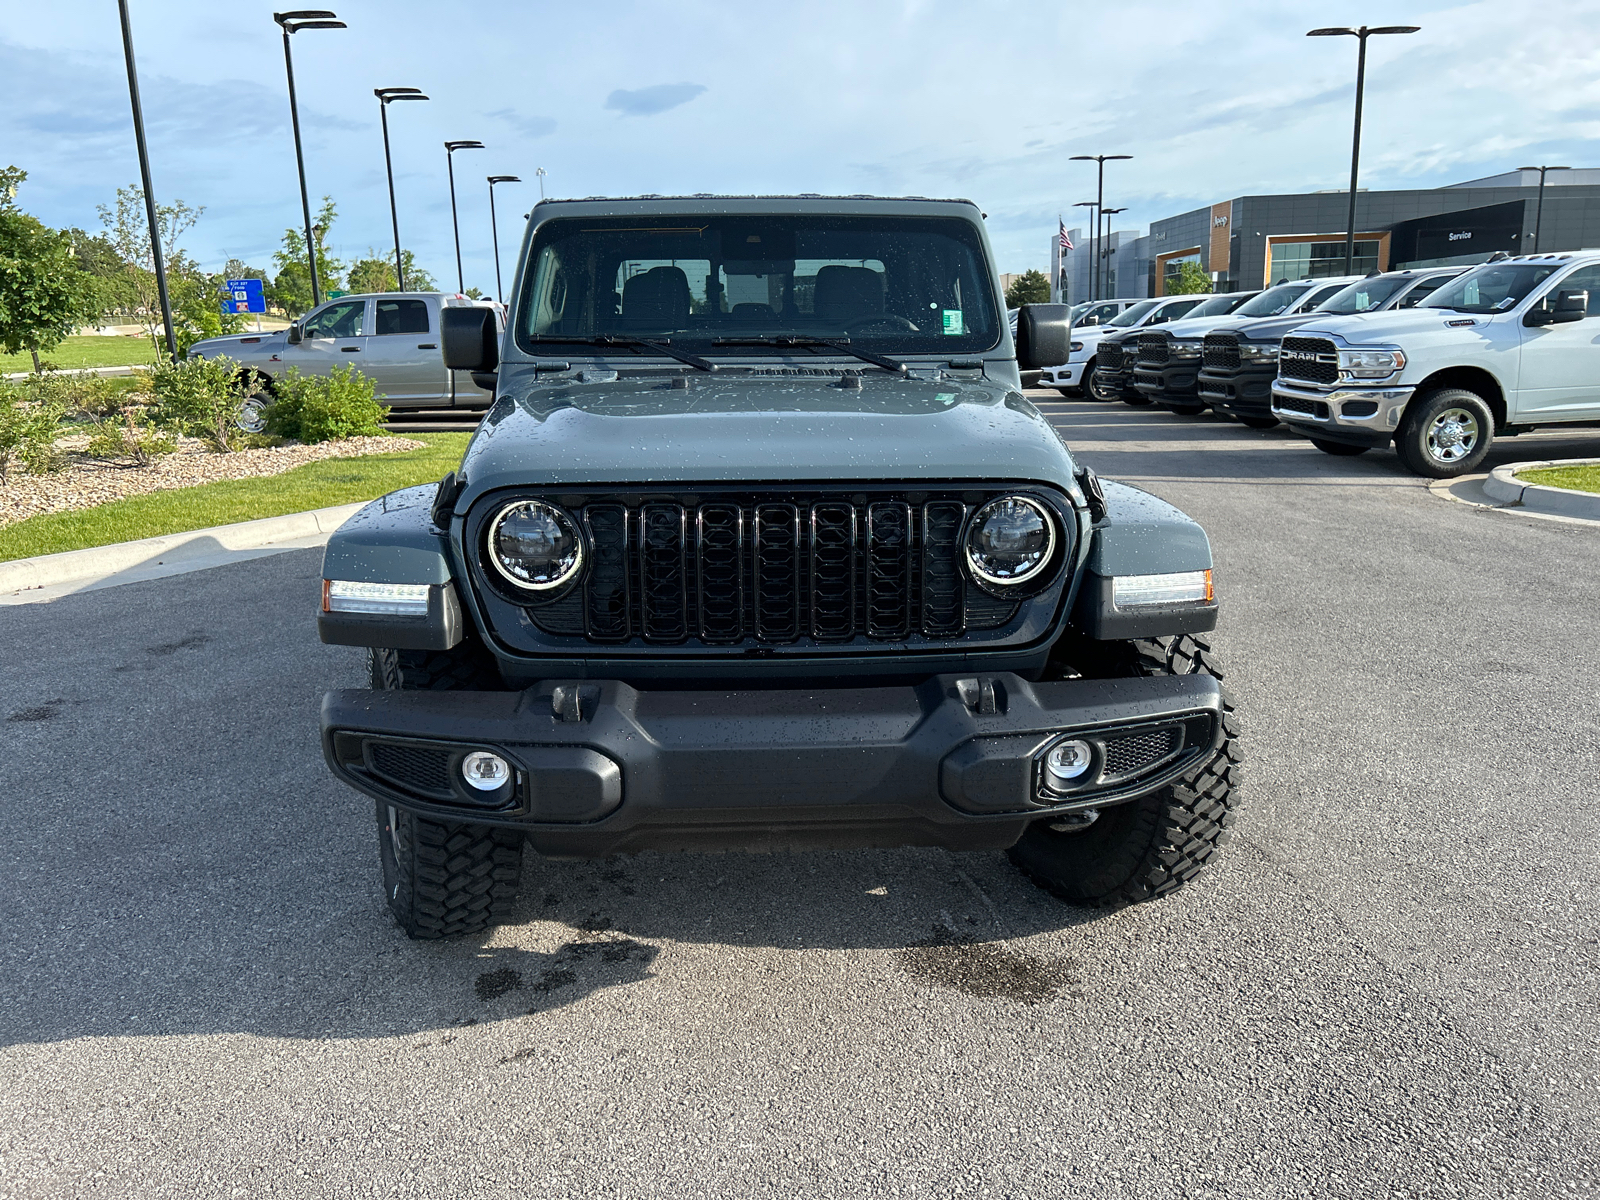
(1220, 351)
(1155, 350)
(1312, 360)
(1110, 355)
(813, 568)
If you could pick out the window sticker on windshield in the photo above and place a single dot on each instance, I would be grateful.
(952, 321)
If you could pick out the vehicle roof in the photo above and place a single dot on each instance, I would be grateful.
(601, 206)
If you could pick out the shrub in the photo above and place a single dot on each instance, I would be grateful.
(199, 397)
(28, 431)
(93, 397)
(123, 438)
(311, 408)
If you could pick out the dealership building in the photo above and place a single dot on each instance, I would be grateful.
(1254, 241)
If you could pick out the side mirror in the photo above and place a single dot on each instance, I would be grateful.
(1092, 320)
(471, 341)
(1044, 335)
(1569, 306)
(295, 335)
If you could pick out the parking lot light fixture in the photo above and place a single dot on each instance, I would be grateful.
(293, 22)
(494, 228)
(1106, 214)
(1538, 220)
(1094, 240)
(1361, 35)
(1100, 201)
(450, 149)
(540, 172)
(385, 95)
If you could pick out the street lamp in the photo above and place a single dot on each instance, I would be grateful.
(1361, 35)
(385, 95)
(499, 288)
(1106, 214)
(450, 149)
(1538, 221)
(1100, 198)
(1094, 244)
(144, 177)
(539, 171)
(293, 22)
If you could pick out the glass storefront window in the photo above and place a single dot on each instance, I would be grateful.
(1320, 260)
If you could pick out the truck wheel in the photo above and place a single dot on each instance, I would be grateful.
(1152, 846)
(1444, 433)
(1339, 449)
(1258, 422)
(252, 414)
(1186, 410)
(1138, 401)
(444, 878)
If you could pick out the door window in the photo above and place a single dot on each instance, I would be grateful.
(1423, 290)
(337, 321)
(1584, 279)
(401, 316)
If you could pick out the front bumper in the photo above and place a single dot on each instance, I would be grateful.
(1066, 375)
(601, 768)
(1239, 393)
(1364, 416)
(1175, 381)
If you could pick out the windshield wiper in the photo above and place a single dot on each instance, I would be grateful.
(877, 360)
(612, 339)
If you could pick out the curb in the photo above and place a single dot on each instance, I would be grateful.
(1504, 486)
(129, 370)
(75, 566)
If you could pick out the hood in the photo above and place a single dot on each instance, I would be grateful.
(1190, 327)
(762, 427)
(210, 347)
(1399, 325)
(1265, 329)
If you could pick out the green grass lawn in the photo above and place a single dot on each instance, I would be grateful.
(78, 352)
(1578, 479)
(316, 485)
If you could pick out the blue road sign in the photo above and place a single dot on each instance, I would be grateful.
(244, 296)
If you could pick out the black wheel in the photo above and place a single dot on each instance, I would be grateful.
(1138, 399)
(444, 878)
(1096, 388)
(1186, 410)
(1152, 846)
(1444, 433)
(1259, 422)
(1339, 449)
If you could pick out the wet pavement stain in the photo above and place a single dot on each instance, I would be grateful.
(497, 983)
(49, 710)
(984, 969)
(560, 972)
(188, 643)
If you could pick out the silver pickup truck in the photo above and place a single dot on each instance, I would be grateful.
(391, 336)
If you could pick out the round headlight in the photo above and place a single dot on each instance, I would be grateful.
(1010, 541)
(535, 545)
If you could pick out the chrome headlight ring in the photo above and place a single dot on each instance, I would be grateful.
(553, 551)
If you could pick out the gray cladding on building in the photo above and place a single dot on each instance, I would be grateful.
(1254, 241)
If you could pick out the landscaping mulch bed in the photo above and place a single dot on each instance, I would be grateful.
(85, 482)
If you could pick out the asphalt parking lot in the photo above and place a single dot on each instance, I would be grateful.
(1386, 987)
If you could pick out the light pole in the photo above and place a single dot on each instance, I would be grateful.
(144, 177)
(1538, 220)
(539, 171)
(1100, 197)
(293, 22)
(1094, 244)
(450, 149)
(494, 228)
(1361, 35)
(1106, 214)
(385, 95)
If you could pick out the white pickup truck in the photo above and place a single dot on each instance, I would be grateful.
(393, 337)
(1503, 349)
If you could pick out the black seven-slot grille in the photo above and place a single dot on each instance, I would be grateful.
(723, 570)
(1154, 349)
(1220, 351)
(1110, 355)
(1315, 360)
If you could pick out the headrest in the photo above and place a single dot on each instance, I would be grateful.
(845, 293)
(658, 298)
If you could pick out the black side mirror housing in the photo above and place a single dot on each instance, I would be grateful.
(1569, 306)
(471, 340)
(295, 335)
(1044, 335)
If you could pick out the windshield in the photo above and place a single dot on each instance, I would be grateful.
(1490, 289)
(1274, 300)
(895, 284)
(1216, 306)
(1131, 316)
(1366, 295)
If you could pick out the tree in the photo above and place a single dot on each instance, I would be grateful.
(1031, 287)
(291, 287)
(111, 279)
(375, 273)
(43, 294)
(128, 230)
(1189, 280)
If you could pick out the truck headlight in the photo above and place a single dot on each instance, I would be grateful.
(1370, 364)
(1258, 352)
(1184, 348)
(1179, 587)
(535, 546)
(1010, 541)
(1075, 347)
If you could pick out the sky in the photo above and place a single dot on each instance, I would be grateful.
(979, 99)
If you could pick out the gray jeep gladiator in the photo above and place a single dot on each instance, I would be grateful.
(761, 546)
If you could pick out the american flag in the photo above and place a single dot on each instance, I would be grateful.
(1061, 236)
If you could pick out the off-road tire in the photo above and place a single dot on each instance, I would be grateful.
(1071, 393)
(444, 878)
(1138, 401)
(1414, 443)
(1258, 422)
(1339, 449)
(1152, 846)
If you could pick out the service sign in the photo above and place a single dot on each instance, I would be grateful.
(244, 296)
